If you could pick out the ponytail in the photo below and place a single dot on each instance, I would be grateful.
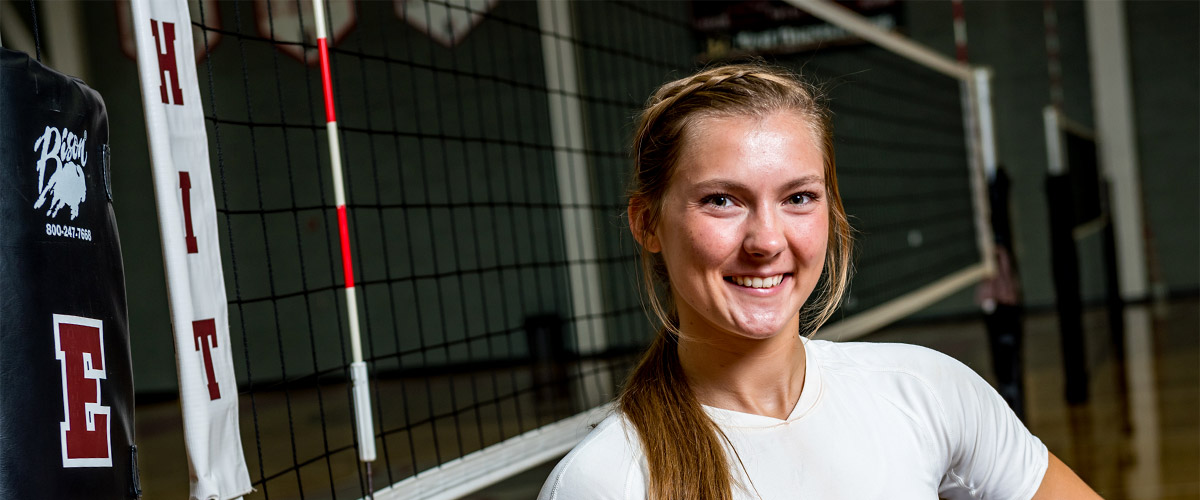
(684, 454)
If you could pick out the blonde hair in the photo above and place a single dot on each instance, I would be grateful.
(684, 448)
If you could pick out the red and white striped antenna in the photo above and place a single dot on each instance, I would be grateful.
(960, 31)
(358, 368)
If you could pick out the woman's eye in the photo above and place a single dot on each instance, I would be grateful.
(717, 200)
(800, 198)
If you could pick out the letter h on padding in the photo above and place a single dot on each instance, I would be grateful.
(166, 61)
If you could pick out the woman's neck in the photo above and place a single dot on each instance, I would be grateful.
(758, 376)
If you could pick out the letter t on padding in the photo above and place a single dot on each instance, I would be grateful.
(205, 334)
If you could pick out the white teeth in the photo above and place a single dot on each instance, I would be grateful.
(755, 282)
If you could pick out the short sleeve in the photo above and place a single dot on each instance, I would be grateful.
(604, 466)
(991, 454)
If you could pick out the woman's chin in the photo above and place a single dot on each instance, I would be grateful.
(765, 328)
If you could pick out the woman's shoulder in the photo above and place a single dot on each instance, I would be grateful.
(985, 447)
(607, 464)
(919, 375)
(885, 357)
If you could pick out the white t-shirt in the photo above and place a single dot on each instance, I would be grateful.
(874, 421)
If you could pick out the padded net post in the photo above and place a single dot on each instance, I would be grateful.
(66, 408)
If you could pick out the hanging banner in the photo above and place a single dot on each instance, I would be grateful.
(188, 223)
(291, 22)
(446, 23)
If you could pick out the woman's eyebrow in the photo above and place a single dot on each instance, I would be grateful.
(731, 185)
(804, 181)
(719, 185)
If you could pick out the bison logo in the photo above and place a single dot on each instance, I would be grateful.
(66, 186)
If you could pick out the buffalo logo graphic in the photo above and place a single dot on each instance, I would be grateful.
(66, 186)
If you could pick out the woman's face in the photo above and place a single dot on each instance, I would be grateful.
(744, 226)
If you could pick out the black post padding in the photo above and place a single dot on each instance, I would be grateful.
(1004, 324)
(1065, 262)
(1004, 338)
(998, 190)
(64, 335)
(549, 358)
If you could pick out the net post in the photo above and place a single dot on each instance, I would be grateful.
(1114, 118)
(1064, 257)
(572, 172)
(981, 129)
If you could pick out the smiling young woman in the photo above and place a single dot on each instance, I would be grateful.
(746, 251)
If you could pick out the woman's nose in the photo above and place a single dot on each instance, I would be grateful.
(764, 236)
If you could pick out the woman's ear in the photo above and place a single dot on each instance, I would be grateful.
(636, 211)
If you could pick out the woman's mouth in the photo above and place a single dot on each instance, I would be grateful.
(756, 281)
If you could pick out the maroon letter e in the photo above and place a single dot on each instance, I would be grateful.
(84, 432)
(205, 333)
(166, 61)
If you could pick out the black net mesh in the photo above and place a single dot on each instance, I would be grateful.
(903, 169)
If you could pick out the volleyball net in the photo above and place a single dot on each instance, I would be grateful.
(485, 185)
(484, 150)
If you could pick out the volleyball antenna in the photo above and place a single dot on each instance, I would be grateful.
(365, 427)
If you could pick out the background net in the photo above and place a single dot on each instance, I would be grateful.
(460, 231)
(903, 167)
